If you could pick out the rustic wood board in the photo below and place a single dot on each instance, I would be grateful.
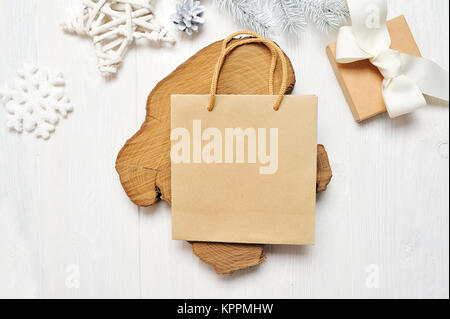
(144, 162)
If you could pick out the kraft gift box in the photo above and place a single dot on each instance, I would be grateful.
(361, 82)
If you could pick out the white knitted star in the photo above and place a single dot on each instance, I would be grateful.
(114, 25)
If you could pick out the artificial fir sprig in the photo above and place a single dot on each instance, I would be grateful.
(328, 15)
(287, 15)
(248, 13)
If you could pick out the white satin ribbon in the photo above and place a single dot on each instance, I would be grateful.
(406, 77)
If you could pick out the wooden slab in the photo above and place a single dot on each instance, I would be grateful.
(144, 162)
(324, 173)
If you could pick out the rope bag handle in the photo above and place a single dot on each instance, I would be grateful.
(256, 38)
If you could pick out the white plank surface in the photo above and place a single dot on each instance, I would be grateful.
(68, 230)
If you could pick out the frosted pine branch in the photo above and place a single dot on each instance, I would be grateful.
(328, 15)
(249, 13)
(289, 15)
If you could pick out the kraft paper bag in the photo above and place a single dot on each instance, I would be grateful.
(244, 173)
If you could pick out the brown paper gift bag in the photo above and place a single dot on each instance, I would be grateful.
(244, 166)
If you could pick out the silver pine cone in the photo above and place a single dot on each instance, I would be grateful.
(189, 16)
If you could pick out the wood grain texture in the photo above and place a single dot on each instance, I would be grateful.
(63, 209)
(228, 258)
(324, 173)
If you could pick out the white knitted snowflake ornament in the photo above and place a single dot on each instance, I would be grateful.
(189, 16)
(113, 26)
(35, 101)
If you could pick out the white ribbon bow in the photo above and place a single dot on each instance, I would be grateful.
(406, 77)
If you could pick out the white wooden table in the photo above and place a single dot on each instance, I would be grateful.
(67, 229)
